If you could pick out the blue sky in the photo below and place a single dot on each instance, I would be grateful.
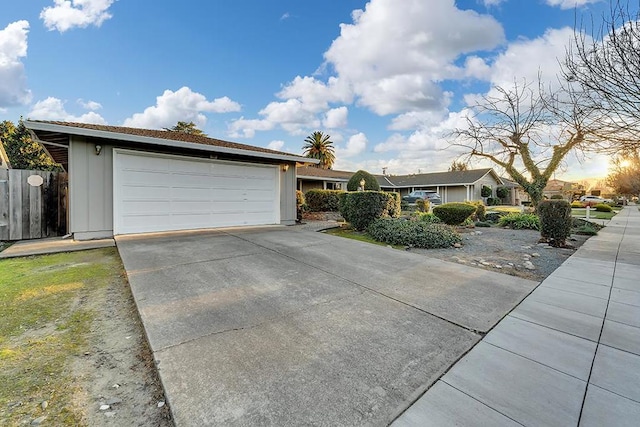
(385, 78)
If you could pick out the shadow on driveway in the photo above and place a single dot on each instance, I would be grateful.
(280, 326)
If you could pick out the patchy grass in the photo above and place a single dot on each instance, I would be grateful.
(361, 236)
(582, 213)
(44, 326)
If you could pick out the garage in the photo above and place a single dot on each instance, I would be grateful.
(161, 193)
(128, 180)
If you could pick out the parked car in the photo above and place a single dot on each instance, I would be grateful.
(592, 199)
(431, 196)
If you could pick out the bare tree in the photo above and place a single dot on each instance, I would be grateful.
(605, 61)
(625, 175)
(458, 166)
(527, 132)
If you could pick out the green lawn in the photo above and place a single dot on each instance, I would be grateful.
(45, 323)
(582, 213)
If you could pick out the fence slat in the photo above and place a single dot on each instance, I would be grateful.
(35, 211)
(15, 205)
(4, 204)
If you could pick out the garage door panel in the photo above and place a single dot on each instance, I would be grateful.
(158, 193)
(145, 207)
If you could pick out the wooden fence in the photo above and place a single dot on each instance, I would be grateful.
(29, 210)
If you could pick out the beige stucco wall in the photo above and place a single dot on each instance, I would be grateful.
(288, 196)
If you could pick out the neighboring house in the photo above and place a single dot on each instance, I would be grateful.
(454, 186)
(311, 178)
(517, 195)
(565, 189)
(126, 180)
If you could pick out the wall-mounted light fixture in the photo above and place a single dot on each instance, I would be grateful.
(285, 168)
(98, 149)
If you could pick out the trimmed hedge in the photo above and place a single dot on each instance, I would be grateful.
(603, 207)
(555, 221)
(454, 213)
(371, 183)
(323, 200)
(502, 192)
(417, 234)
(486, 191)
(363, 207)
(520, 221)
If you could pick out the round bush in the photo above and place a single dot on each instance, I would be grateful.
(486, 191)
(363, 207)
(417, 234)
(370, 181)
(454, 213)
(423, 205)
(520, 221)
(502, 192)
(603, 207)
(481, 210)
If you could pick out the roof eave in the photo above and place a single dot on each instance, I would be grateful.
(50, 127)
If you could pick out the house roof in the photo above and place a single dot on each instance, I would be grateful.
(54, 135)
(451, 178)
(312, 172)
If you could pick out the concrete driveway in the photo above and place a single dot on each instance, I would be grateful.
(280, 326)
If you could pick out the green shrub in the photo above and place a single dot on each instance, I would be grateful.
(482, 224)
(555, 221)
(426, 217)
(586, 230)
(371, 183)
(603, 207)
(454, 213)
(423, 205)
(481, 210)
(520, 221)
(493, 201)
(323, 200)
(363, 207)
(577, 204)
(502, 192)
(556, 197)
(485, 191)
(418, 234)
(494, 216)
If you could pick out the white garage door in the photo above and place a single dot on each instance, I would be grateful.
(163, 193)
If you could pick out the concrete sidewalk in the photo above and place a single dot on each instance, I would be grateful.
(568, 355)
(53, 245)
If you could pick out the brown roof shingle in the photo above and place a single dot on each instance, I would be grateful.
(163, 134)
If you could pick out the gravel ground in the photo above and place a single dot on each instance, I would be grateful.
(514, 252)
(507, 251)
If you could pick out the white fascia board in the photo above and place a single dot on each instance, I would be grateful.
(49, 127)
(319, 178)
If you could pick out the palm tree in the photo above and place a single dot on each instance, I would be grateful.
(319, 146)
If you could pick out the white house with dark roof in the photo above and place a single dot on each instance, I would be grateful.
(453, 186)
(314, 178)
(127, 180)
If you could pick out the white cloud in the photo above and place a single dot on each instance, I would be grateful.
(275, 145)
(53, 109)
(246, 128)
(336, 118)
(13, 80)
(67, 14)
(285, 16)
(355, 145)
(90, 105)
(394, 57)
(570, 4)
(543, 55)
(181, 105)
(489, 3)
